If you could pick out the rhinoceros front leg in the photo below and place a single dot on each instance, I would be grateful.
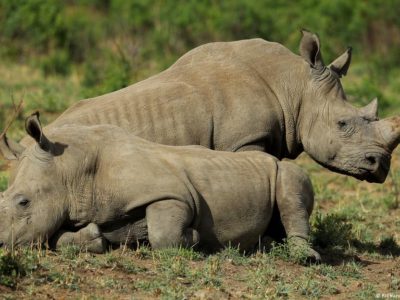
(295, 200)
(167, 225)
(88, 238)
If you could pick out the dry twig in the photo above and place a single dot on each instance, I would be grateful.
(17, 110)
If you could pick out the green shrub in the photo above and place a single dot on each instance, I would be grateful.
(56, 63)
(16, 264)
(37, 28)
(331, 230)
(389, 246)
(103, 76)
(32, 23)
(112, 43)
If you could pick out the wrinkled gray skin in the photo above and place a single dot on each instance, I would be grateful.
(112, 187)
(250, 95)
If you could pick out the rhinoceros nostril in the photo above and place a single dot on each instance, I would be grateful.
(371, 159)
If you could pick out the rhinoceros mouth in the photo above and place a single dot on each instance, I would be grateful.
(376, 176)
(364, 173)
(372, 177)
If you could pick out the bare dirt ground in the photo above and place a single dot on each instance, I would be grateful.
(175, 276)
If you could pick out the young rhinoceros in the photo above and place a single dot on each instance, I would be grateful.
(248, 95)
(108, 185)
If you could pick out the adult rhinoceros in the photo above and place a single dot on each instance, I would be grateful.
(109, 185)
(249, 95)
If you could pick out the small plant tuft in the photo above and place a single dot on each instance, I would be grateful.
(331, 230)
(389, 246)
(233, 255)
(14, 265)
(291, 251)
(70, 252)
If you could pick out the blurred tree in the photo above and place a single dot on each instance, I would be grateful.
(115, 42)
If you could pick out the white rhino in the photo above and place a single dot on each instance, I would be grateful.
(249, 95)
(102, 185)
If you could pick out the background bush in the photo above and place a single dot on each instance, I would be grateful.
(109, 44)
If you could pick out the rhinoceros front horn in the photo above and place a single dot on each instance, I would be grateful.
(390, 131)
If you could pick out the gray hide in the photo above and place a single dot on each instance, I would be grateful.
(129, 189)
(249, 95)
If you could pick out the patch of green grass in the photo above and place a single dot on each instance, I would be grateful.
(49, 95)
(176, 279)
(115, 260)
(263, 277)
(350, 269)
(233, 255)
(324, 193)
(169, 253)
(3, 181)
(394, 284)
(390, 201)
(67, 280)
(70, 252)
(211, 272)
(142, 252)
(291, 251)
(312, 287)
(367, 291)
(327, 271)
(111, 283)
(15, 265)
(173, 266)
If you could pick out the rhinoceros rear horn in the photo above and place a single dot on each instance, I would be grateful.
(34, 129)
(370, 111)
(310, 49)
(341, 64)
(9, 149)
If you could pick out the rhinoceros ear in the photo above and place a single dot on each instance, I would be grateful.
(310, 49)
(9, 149)
(34, 129)
(341, 64)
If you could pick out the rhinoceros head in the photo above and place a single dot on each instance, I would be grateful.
(339, 136)
(34, 205)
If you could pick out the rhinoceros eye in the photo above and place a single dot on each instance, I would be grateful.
(342, 124)
(23, 202)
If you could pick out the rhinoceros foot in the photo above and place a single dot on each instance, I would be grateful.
(300, 250)
(92, 240)
(88, 238)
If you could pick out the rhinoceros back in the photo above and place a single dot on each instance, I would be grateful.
(213, 96)
(164, 114)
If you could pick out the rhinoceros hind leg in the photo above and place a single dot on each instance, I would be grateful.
(167, 224)
(88, 238)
